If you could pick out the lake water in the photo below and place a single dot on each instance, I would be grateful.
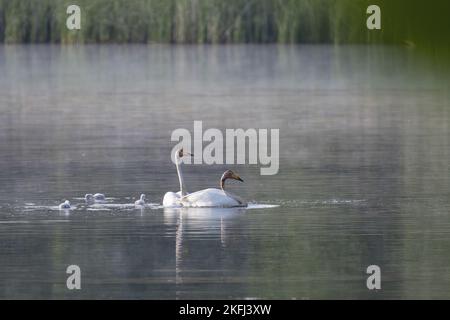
(363, 179)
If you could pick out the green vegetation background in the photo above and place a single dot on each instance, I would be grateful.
(411, 22)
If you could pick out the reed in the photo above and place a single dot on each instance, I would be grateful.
(218, 21)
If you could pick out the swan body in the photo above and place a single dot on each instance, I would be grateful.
(172, 199)
(64, 205)
(141, 201)
(212, 197)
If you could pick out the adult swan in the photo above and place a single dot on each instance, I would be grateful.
(210, 197)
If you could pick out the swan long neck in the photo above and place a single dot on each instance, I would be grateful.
(222, 183)
(180, 176)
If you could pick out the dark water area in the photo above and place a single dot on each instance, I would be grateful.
(363, 172)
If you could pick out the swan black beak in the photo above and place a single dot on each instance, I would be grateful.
(239, 179)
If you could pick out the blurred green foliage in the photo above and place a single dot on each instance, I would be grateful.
(411, 22)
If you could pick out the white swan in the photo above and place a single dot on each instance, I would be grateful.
(172, 199)
(210, 197)
(141, 201)
(213, 197)
(98, 197)
(64, 205)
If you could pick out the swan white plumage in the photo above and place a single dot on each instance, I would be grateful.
(210, 197)
(173, 199)
(213, 197)
(141, 201)
(64, 205)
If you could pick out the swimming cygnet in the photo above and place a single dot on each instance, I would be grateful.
(98, 197)
(141, 201)
(65, 205)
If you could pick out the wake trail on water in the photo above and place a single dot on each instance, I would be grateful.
(110, 205)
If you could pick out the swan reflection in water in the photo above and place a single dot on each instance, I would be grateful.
(209, 222)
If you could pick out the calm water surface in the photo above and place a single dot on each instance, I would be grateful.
(363, 179)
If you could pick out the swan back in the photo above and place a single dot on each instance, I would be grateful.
(212, 197)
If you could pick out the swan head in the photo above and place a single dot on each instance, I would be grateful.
(142, 197)
(181, 153)
(89, 197)
(229, 175)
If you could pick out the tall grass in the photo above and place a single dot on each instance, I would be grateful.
(225, 21)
